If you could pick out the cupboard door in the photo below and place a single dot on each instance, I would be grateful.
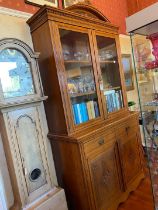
(80, 75)
(105, 176)
(130, 157)
(110, 78)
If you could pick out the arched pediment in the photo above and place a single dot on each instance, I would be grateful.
(18, 44)
(87, 10)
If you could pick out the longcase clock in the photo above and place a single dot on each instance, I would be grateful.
(23, 128)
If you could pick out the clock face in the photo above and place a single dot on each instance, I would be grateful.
(15, 74)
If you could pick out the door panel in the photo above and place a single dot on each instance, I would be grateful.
(110, 78)
(80, 75)
(130, 157)
(104, 170)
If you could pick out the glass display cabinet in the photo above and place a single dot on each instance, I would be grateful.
(93, 135)
(81, 79)
(145, 51)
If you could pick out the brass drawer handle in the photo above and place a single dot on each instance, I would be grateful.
(101, 142)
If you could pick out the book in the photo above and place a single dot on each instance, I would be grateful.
(76, 117)
(108, 103)
(110, 99)
(118, 100)
(115, 108)
(80, 113)
(77, 113)
(120, 91)
(92, 109)
(96, 109)
(73, 109)
(84, 112)
(90, 116)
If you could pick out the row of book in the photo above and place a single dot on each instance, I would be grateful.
(85, 111)
(114, 100)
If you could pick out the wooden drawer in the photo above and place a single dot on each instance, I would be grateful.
(99, 142)
(127, 128)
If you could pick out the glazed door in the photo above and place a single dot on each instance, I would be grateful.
(105, 176)
(109, 72)
(81, 75)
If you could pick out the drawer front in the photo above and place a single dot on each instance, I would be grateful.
(99, 142)
(127, 128)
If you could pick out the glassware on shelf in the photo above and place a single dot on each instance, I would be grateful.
(78, 56)
(81, 56)
(80, 76)
(66, 55)
(105, 55)
(87, 56)
(82, 84)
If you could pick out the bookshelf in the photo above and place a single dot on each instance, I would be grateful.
(91, 129)
(82, 94)
(108, 61)
(74, 61)
(112, 88)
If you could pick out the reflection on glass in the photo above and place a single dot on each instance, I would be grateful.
(146, 63)
(111, 82)
(80, 76)
(15, 74)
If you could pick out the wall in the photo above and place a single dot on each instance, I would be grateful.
(15, 27)
(18, 5)
(114, 10)
(137, 5)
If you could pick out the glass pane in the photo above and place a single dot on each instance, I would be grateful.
(145, 49)
(110, 81)
(80, 76)
(15, 74)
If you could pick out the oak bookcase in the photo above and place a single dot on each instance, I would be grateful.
(95, 139)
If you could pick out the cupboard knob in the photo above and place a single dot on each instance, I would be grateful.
(101, 142)
(127, 128)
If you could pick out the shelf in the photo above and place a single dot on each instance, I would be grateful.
(108, 61)
(113, 88)
(72, 95)
(152, 103)
(77, 61)
(143, 82)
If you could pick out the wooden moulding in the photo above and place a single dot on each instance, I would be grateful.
(80, 14)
